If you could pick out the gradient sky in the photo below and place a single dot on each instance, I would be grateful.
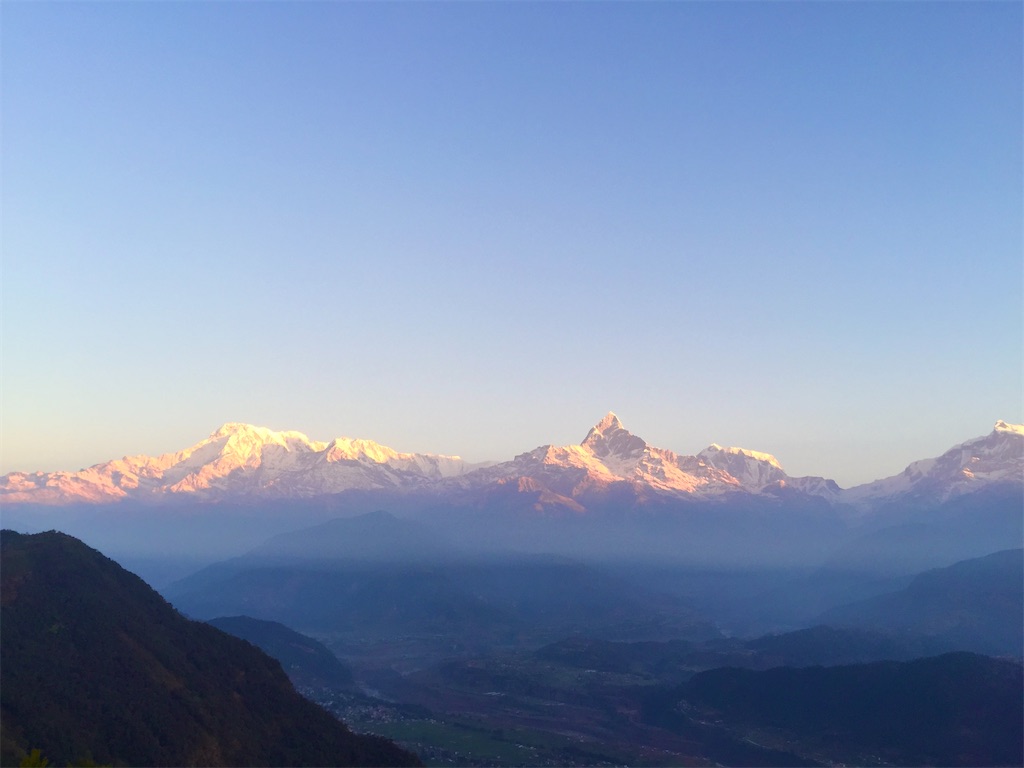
(474, 228)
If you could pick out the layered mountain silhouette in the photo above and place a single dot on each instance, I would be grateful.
(485, 598)
(95, 666)
(973, 604)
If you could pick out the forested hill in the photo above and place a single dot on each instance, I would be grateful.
(95, 665)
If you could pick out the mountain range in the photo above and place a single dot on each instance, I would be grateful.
(241, 462)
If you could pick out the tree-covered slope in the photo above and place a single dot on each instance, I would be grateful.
(94, 665)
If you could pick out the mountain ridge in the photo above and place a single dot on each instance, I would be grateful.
(239, 461)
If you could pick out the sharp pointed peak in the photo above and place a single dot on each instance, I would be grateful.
(608, 437)
(607, 426)
(610, 421)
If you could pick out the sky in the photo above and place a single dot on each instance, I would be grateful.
(475, 228)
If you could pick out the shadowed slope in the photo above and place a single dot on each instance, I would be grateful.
(306, 661)
(97, 666)
(955, 709)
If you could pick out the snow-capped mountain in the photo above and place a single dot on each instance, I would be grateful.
(239, 460)
(610, 465)
(995, 458)
(761, 471)
(610, 454)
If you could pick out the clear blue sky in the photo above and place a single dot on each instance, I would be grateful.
(475, 227)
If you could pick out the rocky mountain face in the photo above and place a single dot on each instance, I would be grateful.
(242, 462)
(614, 466)
(994, 459)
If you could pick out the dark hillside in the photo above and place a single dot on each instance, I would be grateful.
(307, 662)
(955, 709)
(677, 660)
(831, 646)
(94, 665)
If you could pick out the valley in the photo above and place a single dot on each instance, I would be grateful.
(542, 674)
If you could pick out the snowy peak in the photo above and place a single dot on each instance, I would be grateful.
(234, 428)
(752, 469)
(609, 439)
(245, 442)
(247, 432)
(716, 452)
(611, 454)
(234, 449)
(240, 461)
(368, 452)
(609, 423)
(997, 457)
(347, 449)
(1009, 429)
